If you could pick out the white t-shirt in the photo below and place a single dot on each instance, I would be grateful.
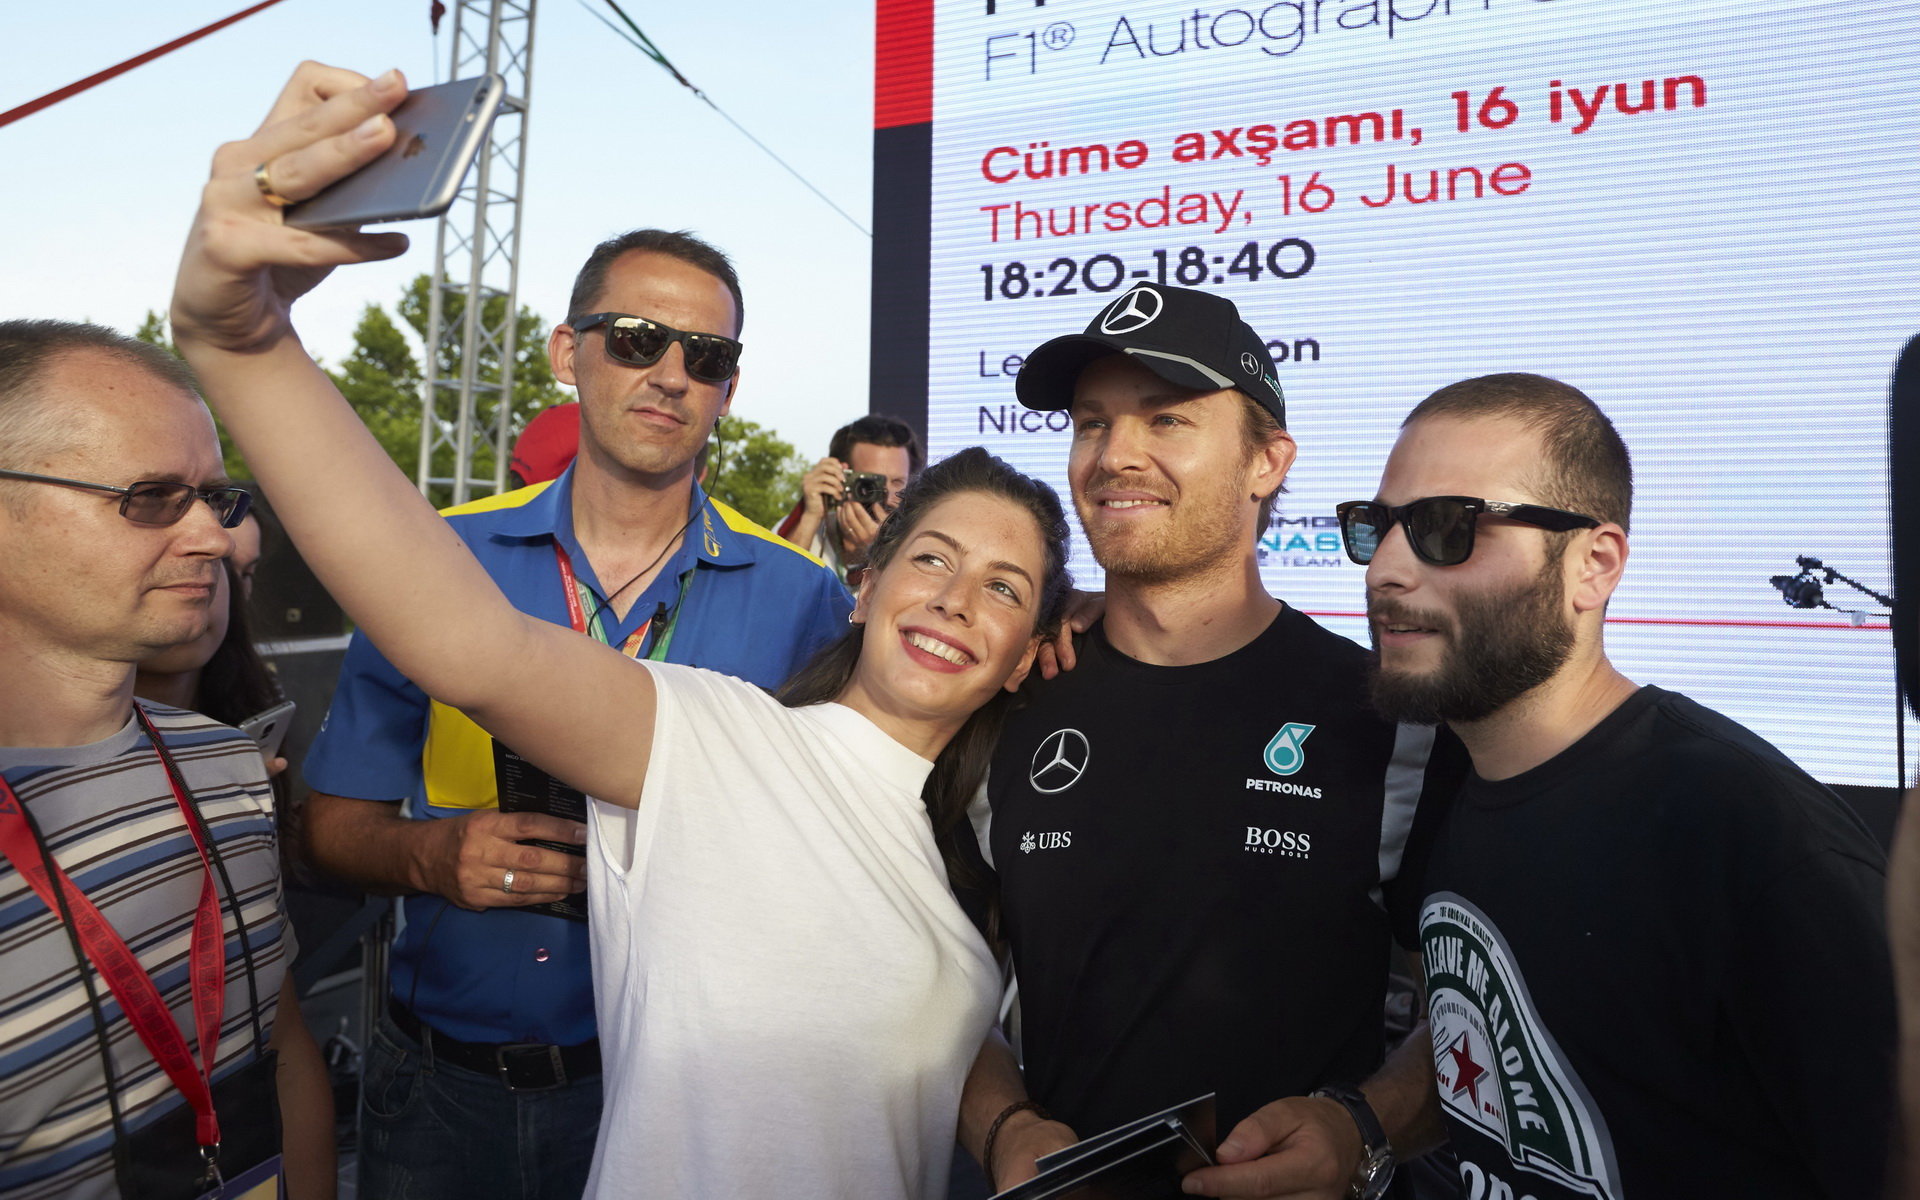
(789, 996)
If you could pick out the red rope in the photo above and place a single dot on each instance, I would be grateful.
(74, 89)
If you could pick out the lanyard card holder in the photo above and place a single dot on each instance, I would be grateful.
(187, 1151)
(162, 1161)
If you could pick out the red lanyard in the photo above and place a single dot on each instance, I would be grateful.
(577, 613)
(129, 981)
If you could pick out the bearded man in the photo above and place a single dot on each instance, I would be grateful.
(1655, 958)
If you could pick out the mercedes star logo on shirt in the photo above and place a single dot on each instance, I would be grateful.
(1060, 761)
(1135, 310)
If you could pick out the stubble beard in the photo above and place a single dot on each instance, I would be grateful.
(637, 456)
(1501, 646)
(1201, 533)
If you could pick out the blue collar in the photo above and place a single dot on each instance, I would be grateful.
(548, 514)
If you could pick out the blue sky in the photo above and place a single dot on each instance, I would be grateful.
(99, 188)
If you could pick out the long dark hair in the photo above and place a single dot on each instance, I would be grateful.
(236, 683)
(961, 767)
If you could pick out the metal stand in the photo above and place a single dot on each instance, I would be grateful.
(467, 427)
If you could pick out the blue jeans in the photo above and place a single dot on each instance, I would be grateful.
(432, 1131)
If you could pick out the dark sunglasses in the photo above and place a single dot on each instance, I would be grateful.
(639, 342)
(159, 504)
(1440, 528)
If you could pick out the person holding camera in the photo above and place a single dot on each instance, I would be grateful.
(848, 493)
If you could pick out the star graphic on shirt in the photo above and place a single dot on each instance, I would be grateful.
(1466, 1072)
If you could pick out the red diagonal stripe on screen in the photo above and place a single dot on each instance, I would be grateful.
(903, 63)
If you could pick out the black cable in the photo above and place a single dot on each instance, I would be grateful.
(121, 1153)
(600, 606)
(196, 822)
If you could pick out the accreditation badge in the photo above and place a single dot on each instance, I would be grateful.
(262, 1181)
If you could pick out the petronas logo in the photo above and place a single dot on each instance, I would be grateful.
(1284, 755)
(1497, 1066)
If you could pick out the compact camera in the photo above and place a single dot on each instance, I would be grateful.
(864, 487)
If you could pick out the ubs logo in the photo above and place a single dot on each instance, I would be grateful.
(1060, 761)
(1052, 839)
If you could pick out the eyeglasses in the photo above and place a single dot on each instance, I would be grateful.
(639, 342)
(151, 502)
(1440, 528)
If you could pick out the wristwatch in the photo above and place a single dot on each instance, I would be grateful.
(1377, 1161)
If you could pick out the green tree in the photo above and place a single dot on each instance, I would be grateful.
(381, 379)
(534, 387)
(752, 469)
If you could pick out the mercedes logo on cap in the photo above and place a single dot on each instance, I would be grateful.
(1137, 309)
(1249, 363)
(1060, 761)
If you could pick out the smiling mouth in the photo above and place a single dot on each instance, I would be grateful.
(939, 649)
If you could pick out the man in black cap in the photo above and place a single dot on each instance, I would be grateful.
(1194, 831)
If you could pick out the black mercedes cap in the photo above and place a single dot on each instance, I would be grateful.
(1189, 338)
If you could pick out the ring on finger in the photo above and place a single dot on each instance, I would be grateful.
(263, 180)
(506, 884)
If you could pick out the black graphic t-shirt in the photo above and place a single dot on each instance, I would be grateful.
(1656, 967)
(1191, 864)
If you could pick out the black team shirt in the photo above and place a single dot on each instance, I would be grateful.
(1191, 863)
(1657, 969)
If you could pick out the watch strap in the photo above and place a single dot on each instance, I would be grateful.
(1377, 1162)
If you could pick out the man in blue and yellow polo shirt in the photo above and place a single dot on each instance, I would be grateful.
(483, 1078)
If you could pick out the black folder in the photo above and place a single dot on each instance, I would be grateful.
(1141, 1160)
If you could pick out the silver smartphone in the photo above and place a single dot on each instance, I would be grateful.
(269, 728)
(439, 132)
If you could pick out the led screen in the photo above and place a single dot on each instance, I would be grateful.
(1700, 214)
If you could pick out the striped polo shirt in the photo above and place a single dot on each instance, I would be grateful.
(111, 820)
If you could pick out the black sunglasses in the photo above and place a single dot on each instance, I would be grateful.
(639, 342)
(1440, 528)
(151, 502)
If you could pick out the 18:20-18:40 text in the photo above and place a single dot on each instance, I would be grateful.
(1288, 258)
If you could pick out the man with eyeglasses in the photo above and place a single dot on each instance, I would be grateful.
(1196, 830)
(132, 836)
(483, 1078)
(1654, 947)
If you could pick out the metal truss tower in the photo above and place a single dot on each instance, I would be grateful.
(467, 424)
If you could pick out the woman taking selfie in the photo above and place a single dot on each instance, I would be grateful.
(789, 996)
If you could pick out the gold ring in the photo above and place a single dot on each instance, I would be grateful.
(264, 182)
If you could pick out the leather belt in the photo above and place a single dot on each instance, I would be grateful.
(521, 1066)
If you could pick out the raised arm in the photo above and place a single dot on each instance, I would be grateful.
(578, 709)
